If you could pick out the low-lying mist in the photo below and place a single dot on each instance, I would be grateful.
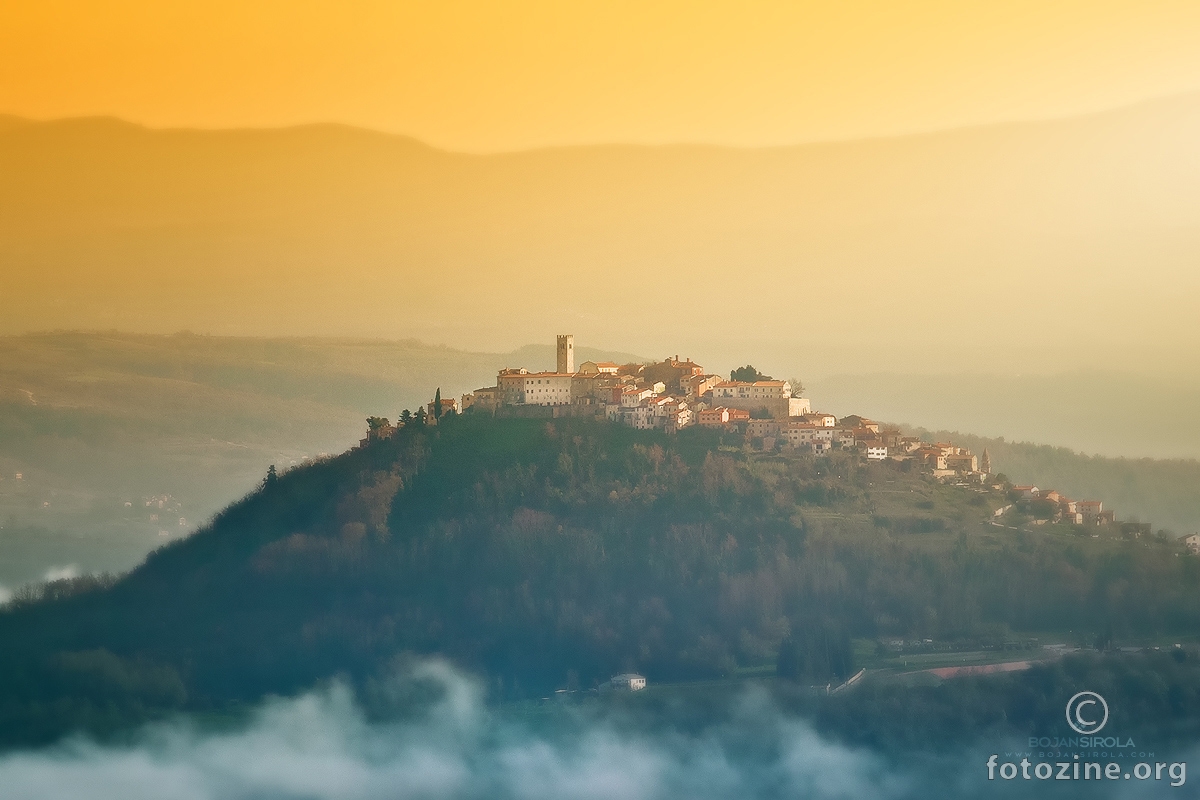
(450, 744)
(321, 745)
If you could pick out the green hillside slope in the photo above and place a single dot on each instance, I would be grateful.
(547, 553)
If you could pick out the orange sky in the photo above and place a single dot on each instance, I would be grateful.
(502, 75)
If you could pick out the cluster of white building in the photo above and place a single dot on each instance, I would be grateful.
(675, 394)
(668, 395)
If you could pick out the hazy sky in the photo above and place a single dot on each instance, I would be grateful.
(513, 74)
(1075, 237)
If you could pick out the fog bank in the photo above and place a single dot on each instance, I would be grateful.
(321, 745)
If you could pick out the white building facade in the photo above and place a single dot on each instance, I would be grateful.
(547, 389)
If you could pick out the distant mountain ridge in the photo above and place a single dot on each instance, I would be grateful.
(904, 251)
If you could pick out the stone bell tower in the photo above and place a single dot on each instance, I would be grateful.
(566, 354)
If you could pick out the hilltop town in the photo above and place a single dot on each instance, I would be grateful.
(674, 394)
(771, 415)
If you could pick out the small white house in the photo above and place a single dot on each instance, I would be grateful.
(628, 681)
(876, 453)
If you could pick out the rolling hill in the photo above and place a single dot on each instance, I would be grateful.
(542, 553)
(92, 421)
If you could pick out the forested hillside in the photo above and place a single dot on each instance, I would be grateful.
(552, 553)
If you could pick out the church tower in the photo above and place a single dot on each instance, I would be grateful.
(985, 463)
(566, 354)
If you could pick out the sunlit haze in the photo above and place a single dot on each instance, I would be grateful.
(491, 76)
(606, 399)
(878, 232)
